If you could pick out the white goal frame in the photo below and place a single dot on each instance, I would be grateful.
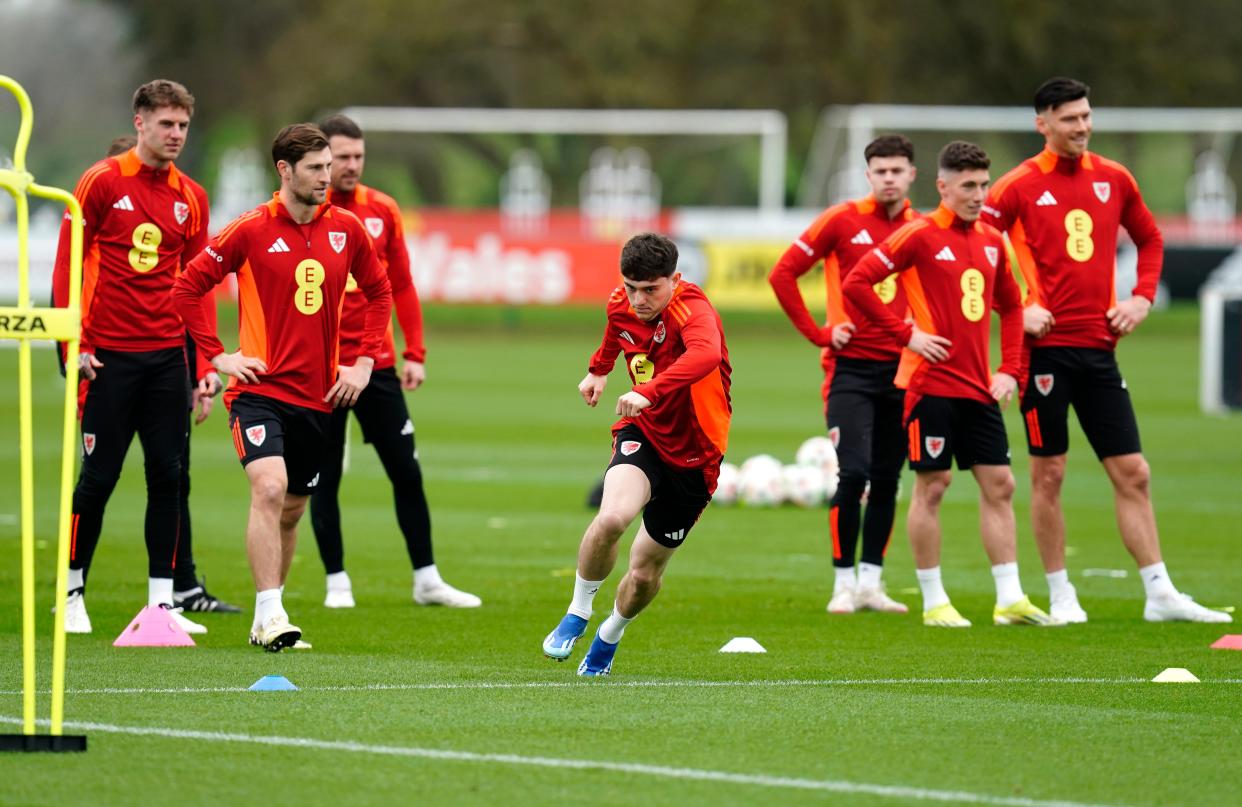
(769, 125)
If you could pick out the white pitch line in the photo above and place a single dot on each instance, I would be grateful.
(809, 683)
(659, 771)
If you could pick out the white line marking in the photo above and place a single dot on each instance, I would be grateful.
(848, 682)
(661, 771)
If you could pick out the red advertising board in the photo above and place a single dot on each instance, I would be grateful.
(476, 257)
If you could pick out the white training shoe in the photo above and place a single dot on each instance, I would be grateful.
(276, 634)
(442, 593)
(1065, 608)
(76, 618)
(875, 598)
(1178, 607)
(185, 624)
(339, 598)
(842, 601)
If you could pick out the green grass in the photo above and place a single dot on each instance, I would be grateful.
(509, 452)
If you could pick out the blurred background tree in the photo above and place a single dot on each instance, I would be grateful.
(255, 66)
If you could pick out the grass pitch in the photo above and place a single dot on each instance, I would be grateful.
(400, 704)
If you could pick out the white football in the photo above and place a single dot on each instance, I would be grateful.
(804, 485)
(726, 485)
(760, 483)
(818, 452)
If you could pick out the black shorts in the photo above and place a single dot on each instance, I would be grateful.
(1088, 379)
(266, 427)
(940, 429)
(864, 418)
(678, 496)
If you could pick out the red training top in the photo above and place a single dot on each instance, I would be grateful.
(840, 236)
(291, 285)
(958, 278)
(1062, 216)
(141, 225)
(678, 361)
(382, 218)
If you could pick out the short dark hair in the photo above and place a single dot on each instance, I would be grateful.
(162, 92)
(295, 140)
(648, 256)
(341, 125)
(1059, 90)
(121, 145)
(889, 145)
(962, 156)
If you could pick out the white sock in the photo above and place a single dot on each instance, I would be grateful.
(1059, 584)
(614, 626)
(76, 579)
(845, 577)
(339, 581)
(159, 591)
(267, 604)
(427, 576)
(584, 596)
(1008, 586)
(933, 590)
(1156, 581)
(869, 575)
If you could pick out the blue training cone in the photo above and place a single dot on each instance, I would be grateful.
(273, 683)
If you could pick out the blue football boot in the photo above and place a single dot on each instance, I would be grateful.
(560, 642)
(598, 659)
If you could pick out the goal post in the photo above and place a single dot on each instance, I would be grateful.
(770, 126)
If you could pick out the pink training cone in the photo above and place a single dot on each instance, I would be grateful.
(1230, 641)
(154, 627)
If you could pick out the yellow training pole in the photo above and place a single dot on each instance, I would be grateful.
(24, 323)
(67, 442)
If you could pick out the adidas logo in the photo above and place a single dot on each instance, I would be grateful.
(123, 203)
(800, 244)
(626, 336)
(946, 254)
(863, 237)
(1045, 199)
(279, 245)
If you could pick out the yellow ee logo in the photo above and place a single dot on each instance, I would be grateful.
(973, 285)
(1078, 243)
(642, 370)
(145, 254)
(886, 289)
(309, 276)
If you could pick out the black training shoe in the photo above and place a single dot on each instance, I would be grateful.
(200, 599)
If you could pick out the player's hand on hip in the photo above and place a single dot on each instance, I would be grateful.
(591, 387)
(87, 364)
(245, 369)
(1126, 316)
(1037, 320)
(413, 374)
(841, 335)
(930, 346)
(350, 382)
(631, 403)
(1003, 388)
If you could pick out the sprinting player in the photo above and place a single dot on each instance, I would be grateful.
(143, 219)
(381, 408)
(667, 447)
(860, 361)
(293, 257)
(1062, 209)
(951, 266)
(189, 592)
